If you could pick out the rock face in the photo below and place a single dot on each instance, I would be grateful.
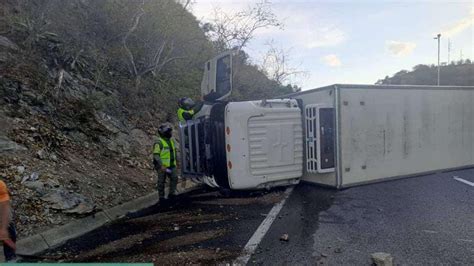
(140, 142)
(67, 145)
(120, 144)
(382, 259)
(7, 145)
(108, 122)
(68, 202)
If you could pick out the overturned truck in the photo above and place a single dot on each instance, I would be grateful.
(337, 136)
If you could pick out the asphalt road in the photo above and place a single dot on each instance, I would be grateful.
(421, 220)
(202, 227)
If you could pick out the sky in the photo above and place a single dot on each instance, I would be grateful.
(360, 41)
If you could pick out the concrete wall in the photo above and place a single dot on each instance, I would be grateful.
(325, 96)
(404, 131)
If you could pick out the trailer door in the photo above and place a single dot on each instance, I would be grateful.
(320, 140)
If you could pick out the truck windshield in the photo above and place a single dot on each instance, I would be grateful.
(223, 72)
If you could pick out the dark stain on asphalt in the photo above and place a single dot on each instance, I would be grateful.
(299, 219)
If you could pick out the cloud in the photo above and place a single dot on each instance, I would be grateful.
(303, 36)
(303, 30)
(325, 36)
(332, 60)
(459, 26)
(400, 49)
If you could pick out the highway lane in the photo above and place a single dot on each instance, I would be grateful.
(420, 220)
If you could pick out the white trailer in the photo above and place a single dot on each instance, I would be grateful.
(358, 134)
(338, 136)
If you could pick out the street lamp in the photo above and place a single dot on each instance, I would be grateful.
(439, 38)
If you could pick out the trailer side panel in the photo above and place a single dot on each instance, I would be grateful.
(404, 131)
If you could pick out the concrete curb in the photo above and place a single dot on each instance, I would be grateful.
(41, 242)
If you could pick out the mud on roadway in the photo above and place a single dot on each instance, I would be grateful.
(201, 227)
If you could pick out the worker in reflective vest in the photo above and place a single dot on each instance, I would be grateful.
(185, 109)
(164, 160)
(7, 226)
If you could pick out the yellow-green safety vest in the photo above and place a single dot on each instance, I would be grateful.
(165, 154)
(181, 111)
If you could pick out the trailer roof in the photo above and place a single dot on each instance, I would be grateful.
(362, 86)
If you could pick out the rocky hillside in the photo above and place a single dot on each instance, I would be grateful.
(61, 157)
(83, 87)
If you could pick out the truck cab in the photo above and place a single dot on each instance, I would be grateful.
(241, 145)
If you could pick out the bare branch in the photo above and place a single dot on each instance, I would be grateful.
(236, 30)
(160, 61)
(276, 64)
(136, 21)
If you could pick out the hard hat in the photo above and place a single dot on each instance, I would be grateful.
(186, 103)
(164, 129)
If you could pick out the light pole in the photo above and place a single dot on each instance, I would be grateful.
(439, 39)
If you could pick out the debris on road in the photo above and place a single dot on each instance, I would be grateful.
(382, 259)
(284, 237)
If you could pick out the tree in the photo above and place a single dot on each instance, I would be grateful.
(277, 65)
(452, 74)
(234, 31)
(187, 4)
(151, 50)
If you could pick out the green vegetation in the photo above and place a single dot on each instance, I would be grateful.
(133, 58)
(459, 73)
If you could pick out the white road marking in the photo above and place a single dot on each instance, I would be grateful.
(464, 181)
(262, 229)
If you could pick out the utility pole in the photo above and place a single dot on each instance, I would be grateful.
(438, 37)
(449, 50)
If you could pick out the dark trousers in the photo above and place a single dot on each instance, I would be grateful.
(8, 251)
(162, 175)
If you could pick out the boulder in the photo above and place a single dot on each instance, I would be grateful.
(68, 202)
